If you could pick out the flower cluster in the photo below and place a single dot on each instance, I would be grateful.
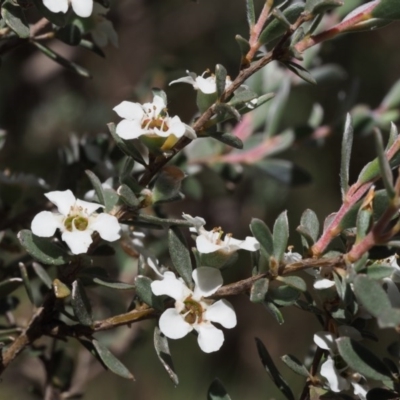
(192, 311)
(82, 8)
(77, 221)
(151, 120)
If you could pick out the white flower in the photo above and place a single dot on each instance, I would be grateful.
(192, 311)
(103, 31)
(323, 277)
(76, 220)
(83, 8)
(337, 373)
(206, 85)
(290, 257)
(149, 119)
(211, 241)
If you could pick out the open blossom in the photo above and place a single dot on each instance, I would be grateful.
(338, 375)
(82, 8)
(211, 241)
(76, 220)
(149, 119)
(192, 311)
(206, 85)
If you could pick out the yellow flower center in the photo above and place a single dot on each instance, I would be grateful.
(193, 310)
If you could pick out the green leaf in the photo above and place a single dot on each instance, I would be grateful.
(242, 96)
(58, 19)
(42, 274)
(320, 6)
(347, 143)
(216, 391)
(163, 222)
(42, 249)
(280, 236)
(110, 361)
(294, 281)
(27, 283)
(71, 66)
(127, 147)
(87, 44)
(80, 304)
(98, 188)
(295, 365)
(251, 16)
(371, 295)
(113, 284)
(387, 9)
(274, 311)
(220, 79)
(9, 285)
(128, 196)
(227, 138)
(244, 45)
(262, 233)
(15, 18)
(225, 110)
(275, 28)
(272, 371)
(284, 295)
(385, 169)
(300, 72)
(309, 228)
(168, 183)
(259, 290)
(111, 199)
(180, 255)
(362, 360)
(143, 290)
(379, 271)
(70, 35)
(164, 355)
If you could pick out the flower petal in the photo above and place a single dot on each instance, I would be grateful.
(325, 340)
(56, 6)
(78, 241)
(185, 79)
(221, 312)
(206, 85)
(45, 224)
(176, 127)
(172, 324)
(88, 207)
(83, 8)
(210, 338)
(359, 390)
(205, 246)
(190, 132)
(171, 286)
(108, 227)
(64, 200)
(250, 243)
(197, 222)
(335, 381)
(130, 111)
(320, 284)
(208, 280)
(129, 129)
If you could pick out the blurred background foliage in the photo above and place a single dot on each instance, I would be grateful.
(42, 105)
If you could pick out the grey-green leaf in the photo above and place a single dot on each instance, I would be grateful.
(251, 17)
(216, 391)
(387, 9)
(180, 255)
(280, 235)
(42, 274)
(320, 6)
(273, 371)
(128, 196)
(27, 283)
(295, 365)
(347, 143)
(42, 249)
(80, 304)
(9, 285)
(262, 233)
(143, 290)
(227, 138)
(164, 355)
(362, 360)
(259, 290)
(98, 188)
(15, 18)
(110, 361)
(386, 171)
(274, 311)
(294, 281)
(220, 79)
